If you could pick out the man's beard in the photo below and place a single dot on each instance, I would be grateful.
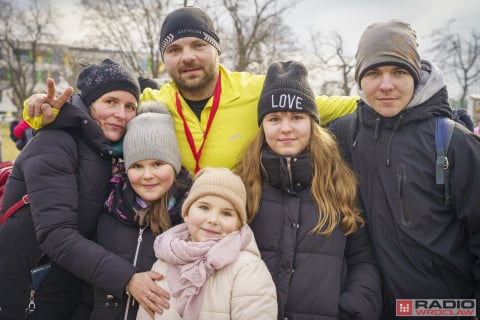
(195, 85)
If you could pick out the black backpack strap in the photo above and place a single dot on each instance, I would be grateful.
(443, 135)
(345, 129)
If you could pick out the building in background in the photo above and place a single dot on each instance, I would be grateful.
(60, 62)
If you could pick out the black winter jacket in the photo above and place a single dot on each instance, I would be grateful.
(120, 233)
(316, 277)
(424, 248)
(66, 173)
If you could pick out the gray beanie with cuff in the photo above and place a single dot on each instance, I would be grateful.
(392, 42)
(151, 136)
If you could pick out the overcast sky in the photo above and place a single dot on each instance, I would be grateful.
(348, 17)
(351, 17)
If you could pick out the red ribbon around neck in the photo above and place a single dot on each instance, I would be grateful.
(191, 142)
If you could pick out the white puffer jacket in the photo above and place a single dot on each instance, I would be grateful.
(241, 290)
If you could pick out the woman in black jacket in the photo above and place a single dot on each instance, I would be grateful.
(145, 200)
(65, 170)
(301, 200)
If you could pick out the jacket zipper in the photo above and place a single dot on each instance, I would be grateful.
(130, 298)
(401, 180)
(289, 168)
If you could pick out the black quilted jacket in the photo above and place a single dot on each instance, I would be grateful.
(65, 169)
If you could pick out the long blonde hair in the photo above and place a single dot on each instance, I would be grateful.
(334, 185)
(156, 216)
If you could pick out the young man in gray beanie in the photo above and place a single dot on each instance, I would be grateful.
(214, 108)
(427, 245)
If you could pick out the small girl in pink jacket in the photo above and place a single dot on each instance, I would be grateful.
(211, 263)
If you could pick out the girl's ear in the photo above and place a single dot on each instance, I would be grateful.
(185, 218)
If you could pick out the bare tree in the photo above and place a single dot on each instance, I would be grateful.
(130, 27)
(256, 34)
(22, 30)
(275, 48)
(335, 64)
(458, 56)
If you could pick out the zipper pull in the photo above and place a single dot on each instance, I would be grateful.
(31, 305)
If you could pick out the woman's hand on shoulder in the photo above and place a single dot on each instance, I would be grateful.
(152, 297)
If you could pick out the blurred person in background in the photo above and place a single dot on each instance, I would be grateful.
(20, 133)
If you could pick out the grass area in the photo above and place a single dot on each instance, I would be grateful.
(9, 150)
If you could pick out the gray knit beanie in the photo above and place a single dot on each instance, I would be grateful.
(151, 135)
(188, 22)
(392, 42)
(285, 89)
(98, 79)
(220, 182)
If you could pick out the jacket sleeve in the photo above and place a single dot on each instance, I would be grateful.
(464, 158)
(51, 179)
(331, 108)
(253, 293)
(361, 297)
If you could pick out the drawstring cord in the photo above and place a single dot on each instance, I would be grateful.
(391, 138)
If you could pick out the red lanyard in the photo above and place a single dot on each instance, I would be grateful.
(191, 142)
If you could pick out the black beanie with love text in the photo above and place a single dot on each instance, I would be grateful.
(286, 89)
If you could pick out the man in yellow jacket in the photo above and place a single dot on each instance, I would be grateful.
(214, 109)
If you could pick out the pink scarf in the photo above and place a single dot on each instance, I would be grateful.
(192, 263)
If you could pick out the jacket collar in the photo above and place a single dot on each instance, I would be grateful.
(291, 174)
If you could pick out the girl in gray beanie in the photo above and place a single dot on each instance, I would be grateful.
(145, 200)
(151, 135)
